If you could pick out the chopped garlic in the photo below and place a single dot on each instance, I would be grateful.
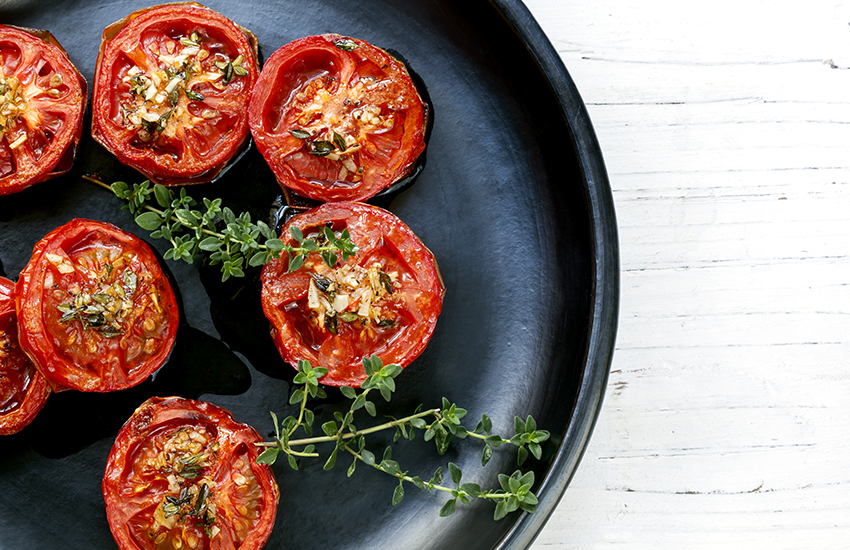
(172, 84)
(18, 142)
(312, 295)
(365, 303)
(150, 93)
(340, 303)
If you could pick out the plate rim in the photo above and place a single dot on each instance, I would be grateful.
(604, 304)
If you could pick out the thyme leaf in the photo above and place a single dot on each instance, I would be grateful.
(346, 44)
(320, 148)
(193, 95)
(440, 424)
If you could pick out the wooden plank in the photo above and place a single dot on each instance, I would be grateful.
(726, 132)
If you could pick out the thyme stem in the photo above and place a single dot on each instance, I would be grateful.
(367, 431)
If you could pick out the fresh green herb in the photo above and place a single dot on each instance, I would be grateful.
(346, 44)
(386, 282)
(92, 310)
(174, 96)
(438, 424)
(139, 83)
(231, 68)
(321, 148)
(201, 502)
(231, 241)
(149, 126)
(339, 141)
(193, 95)
(349, 317)
(163, 120)
(193, 40)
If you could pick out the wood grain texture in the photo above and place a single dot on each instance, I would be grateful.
(726, 133)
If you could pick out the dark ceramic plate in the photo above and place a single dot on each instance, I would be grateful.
(515, 204)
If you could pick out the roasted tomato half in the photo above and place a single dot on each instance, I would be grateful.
(183, 474)
(95, 311)
(23, 390)
(42, 100)
(171, 92)
(336, 118)
(384, 301)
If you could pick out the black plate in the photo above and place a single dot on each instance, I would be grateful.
(514, 203)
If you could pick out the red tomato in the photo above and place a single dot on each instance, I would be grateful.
(23, 390)
(336, 118)
(183, 474)
(171, 91)
(42, 100)
(384, 301)
(95, 311)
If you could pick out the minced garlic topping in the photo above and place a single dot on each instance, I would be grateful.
(336, 127)
(159, 95)
(14, 103)
(183, 460)
(105, 305)
(352, 293)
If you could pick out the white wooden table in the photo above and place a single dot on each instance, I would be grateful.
(725, 127)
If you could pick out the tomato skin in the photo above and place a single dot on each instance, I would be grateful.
(42, 131)
(412, 307)
(314, 84)
(85, 258)
(23, 390)
(132, 489)
(191, 147)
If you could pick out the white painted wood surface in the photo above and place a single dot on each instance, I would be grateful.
(725, 128)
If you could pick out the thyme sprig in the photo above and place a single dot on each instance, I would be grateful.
(440, 424)
(231, 241)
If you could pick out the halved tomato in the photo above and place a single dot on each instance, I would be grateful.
(42, 100)
(95, 311)
(23, 390)
(336, 118)
(384, 301)
(171, 91)
(184, 474)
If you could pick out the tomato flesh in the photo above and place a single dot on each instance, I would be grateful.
(171, 92)
(337, 119)
(42, 99)
(23, 390)
(384, 301)
(97, 313)
(183, 474)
